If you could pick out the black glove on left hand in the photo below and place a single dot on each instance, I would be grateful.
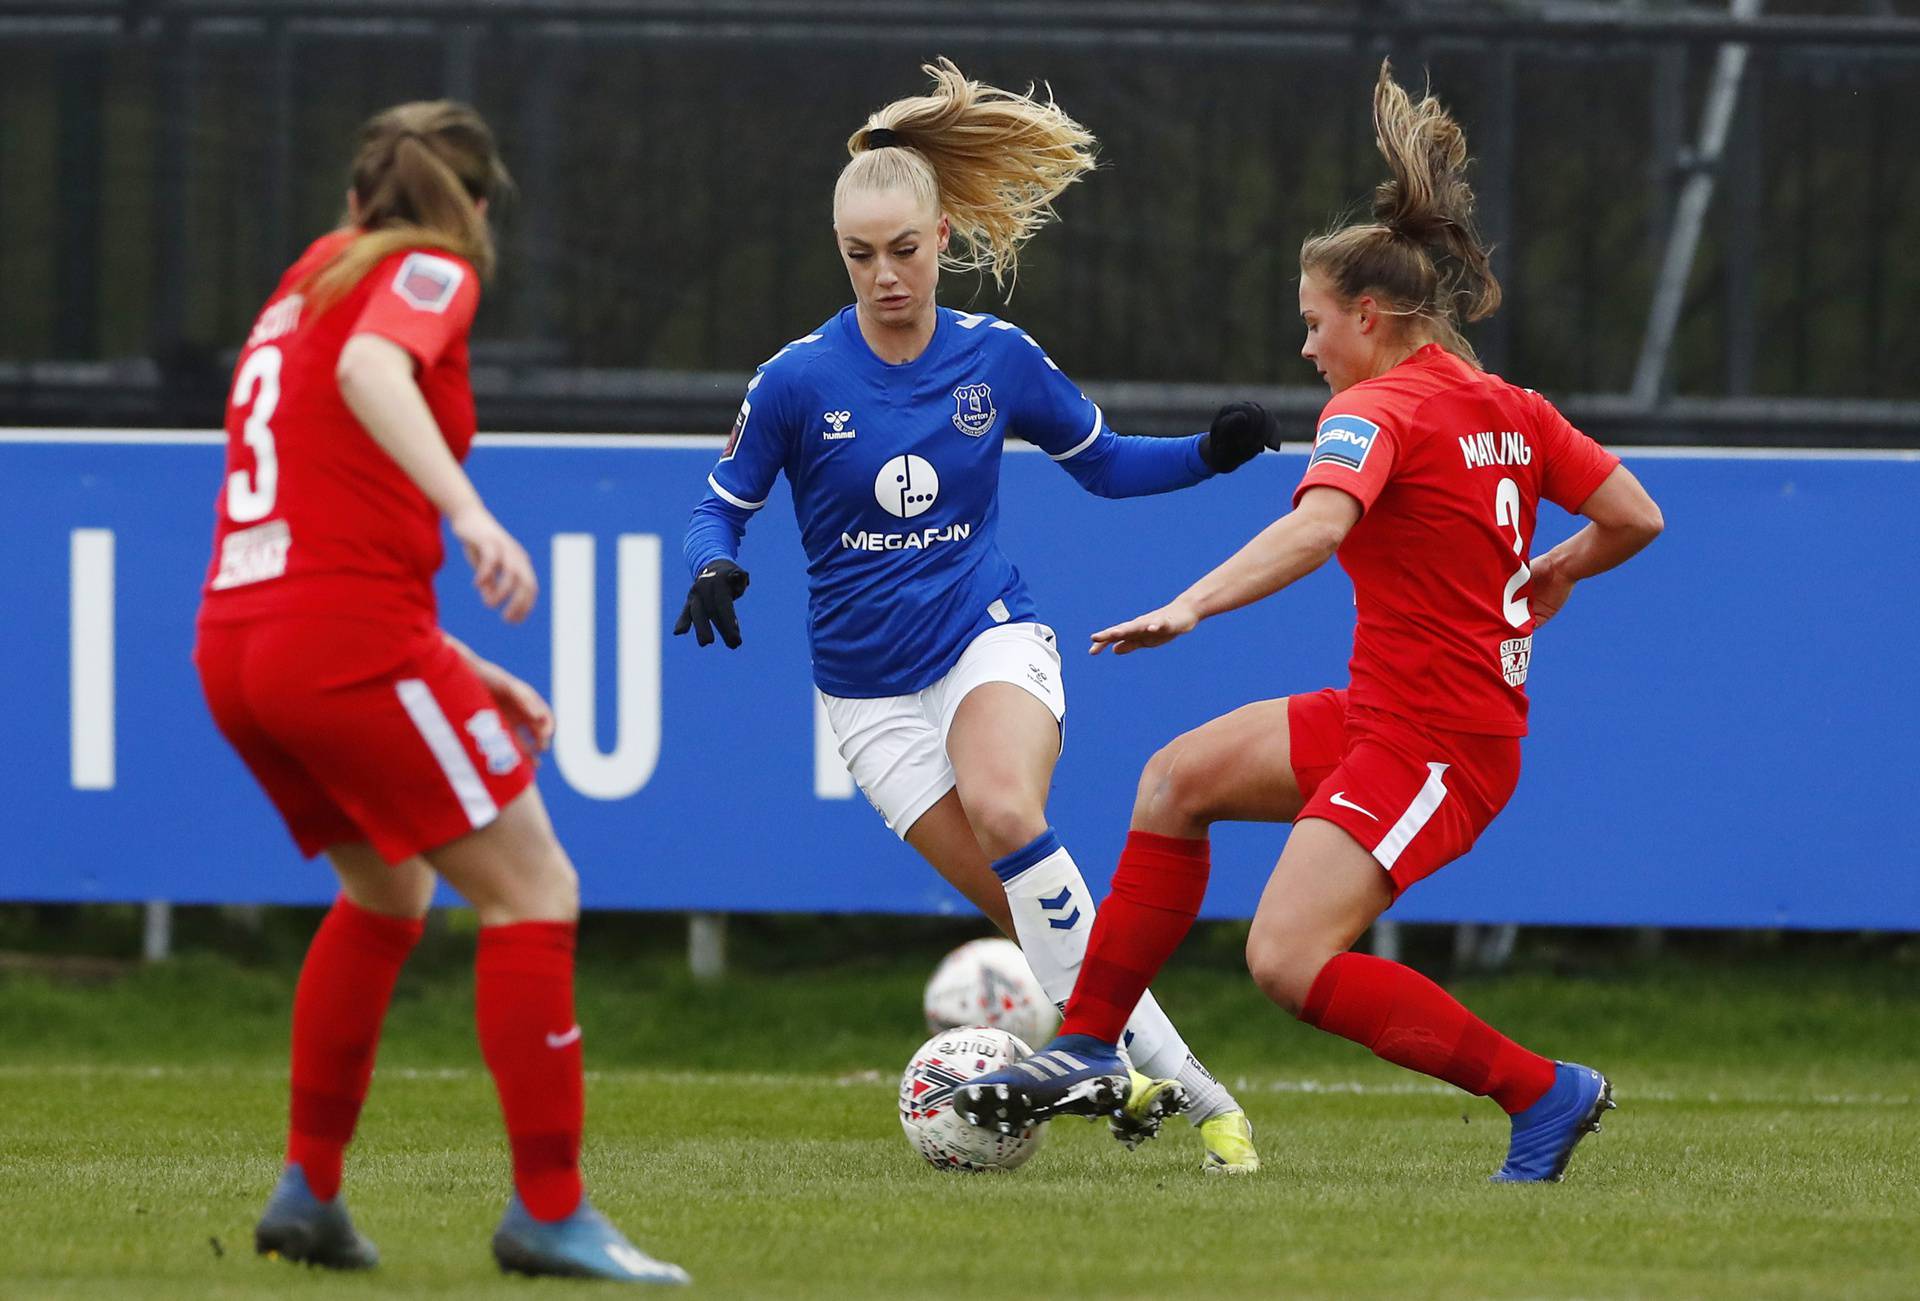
(710, 604)
(1240, 431)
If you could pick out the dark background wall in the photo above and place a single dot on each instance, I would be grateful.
(161, 163)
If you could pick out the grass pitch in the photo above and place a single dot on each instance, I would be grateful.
(1765, 1144)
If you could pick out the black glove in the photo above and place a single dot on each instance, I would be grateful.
(1239, 431)
(710, 603)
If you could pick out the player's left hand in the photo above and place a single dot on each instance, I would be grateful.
(1550, 588)
(501, 568)
(1240, 432)
(1155, 629)
(710, 601)
(521, 707)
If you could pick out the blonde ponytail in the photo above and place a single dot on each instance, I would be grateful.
(991, 160)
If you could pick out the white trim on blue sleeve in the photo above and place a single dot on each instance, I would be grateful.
(743, 505)
(1098, 423)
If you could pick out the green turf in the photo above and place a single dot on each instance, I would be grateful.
(1765, 1145)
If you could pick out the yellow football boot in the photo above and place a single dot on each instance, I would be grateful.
(1149, 1103)
(1229, 1140)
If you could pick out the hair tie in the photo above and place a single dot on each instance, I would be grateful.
(879, 137)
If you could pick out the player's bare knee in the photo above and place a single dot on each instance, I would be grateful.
(1152, 778)
(1283, 970)
(553, 888)
(1003, 822)
(1191, 790)
(568, 897)
(1175, 794)
(1156, 784)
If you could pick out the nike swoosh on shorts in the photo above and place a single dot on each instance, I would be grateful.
(1340, 798)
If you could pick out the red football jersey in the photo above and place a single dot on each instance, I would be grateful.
(313, 516)
(1449, 465)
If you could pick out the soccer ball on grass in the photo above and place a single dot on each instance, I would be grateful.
(936, 1130)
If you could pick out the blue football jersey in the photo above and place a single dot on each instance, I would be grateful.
(895, 471)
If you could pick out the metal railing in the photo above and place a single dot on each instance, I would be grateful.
(162, 162)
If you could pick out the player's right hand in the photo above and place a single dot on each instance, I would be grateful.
(1550, 587)
(501, 570)
(710, 603)
(1240, 432)
(1149, 630)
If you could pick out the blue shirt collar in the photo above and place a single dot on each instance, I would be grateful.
(857, 342)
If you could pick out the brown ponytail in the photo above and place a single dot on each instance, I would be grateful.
(418, 177)
(991, 160)
(1421, 256)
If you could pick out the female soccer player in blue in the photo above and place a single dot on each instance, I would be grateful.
(942, 685)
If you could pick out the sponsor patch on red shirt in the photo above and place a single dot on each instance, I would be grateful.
(1344, 440)
(428, 282)
(1449, 465)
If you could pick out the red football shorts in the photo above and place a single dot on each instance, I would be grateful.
(1416, 798)
(361, 731)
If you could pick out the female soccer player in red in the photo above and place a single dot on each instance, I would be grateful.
(383, 742)
(1424, 480)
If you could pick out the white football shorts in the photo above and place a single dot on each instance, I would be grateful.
(896, 746)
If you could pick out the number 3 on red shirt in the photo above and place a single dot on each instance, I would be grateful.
(258, 383)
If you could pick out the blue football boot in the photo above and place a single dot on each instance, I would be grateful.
(1544, 1134)
(1075, 1075)
(584, 1245)
(299, 1226)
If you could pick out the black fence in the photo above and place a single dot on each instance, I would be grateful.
(161, 163)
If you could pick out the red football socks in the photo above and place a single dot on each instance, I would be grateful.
(338, 1006)
(1404, 1018)
(1157, 891)
(523, 999)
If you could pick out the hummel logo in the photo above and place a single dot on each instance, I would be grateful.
(1340, 798)
(838, 419)
(559, 1041)
(1057, 904)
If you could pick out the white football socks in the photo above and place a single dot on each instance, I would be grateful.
(1052, 916)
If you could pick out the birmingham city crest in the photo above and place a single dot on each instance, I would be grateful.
(974, 413)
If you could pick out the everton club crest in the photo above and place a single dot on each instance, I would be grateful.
(973, 414)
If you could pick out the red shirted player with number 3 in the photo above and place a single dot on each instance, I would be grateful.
(1424, 479)
(383, 742)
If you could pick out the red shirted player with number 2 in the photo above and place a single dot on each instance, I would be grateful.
(1424, 479)
(383, 742)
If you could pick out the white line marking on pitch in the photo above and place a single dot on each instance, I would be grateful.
(877, 1079)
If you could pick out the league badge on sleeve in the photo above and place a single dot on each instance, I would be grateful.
(739, 427)
(974, 413)
(428, 282)
(1343, 440)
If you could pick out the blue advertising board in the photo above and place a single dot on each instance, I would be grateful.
(1724, 730)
